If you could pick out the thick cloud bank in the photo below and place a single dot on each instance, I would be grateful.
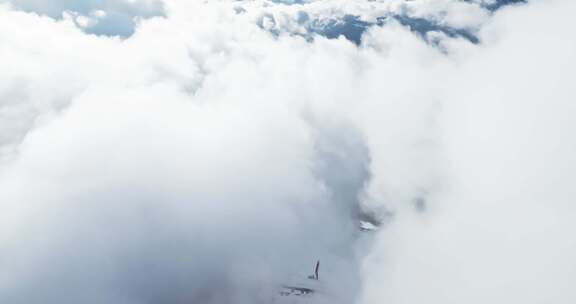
(213, 151)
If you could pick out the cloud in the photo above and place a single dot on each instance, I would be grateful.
(142, 183)
(177, 218)
(216, 153)
(499, 231)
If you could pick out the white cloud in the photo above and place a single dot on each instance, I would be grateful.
(204, 159)
(500, 231)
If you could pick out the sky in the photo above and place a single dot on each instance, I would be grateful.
(172, 151)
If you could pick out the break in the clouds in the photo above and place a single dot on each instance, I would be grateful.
(351, 19)
(329, 18)
(101, 17)
(213, 151)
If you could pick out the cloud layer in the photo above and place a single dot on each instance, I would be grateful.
(216, 150)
